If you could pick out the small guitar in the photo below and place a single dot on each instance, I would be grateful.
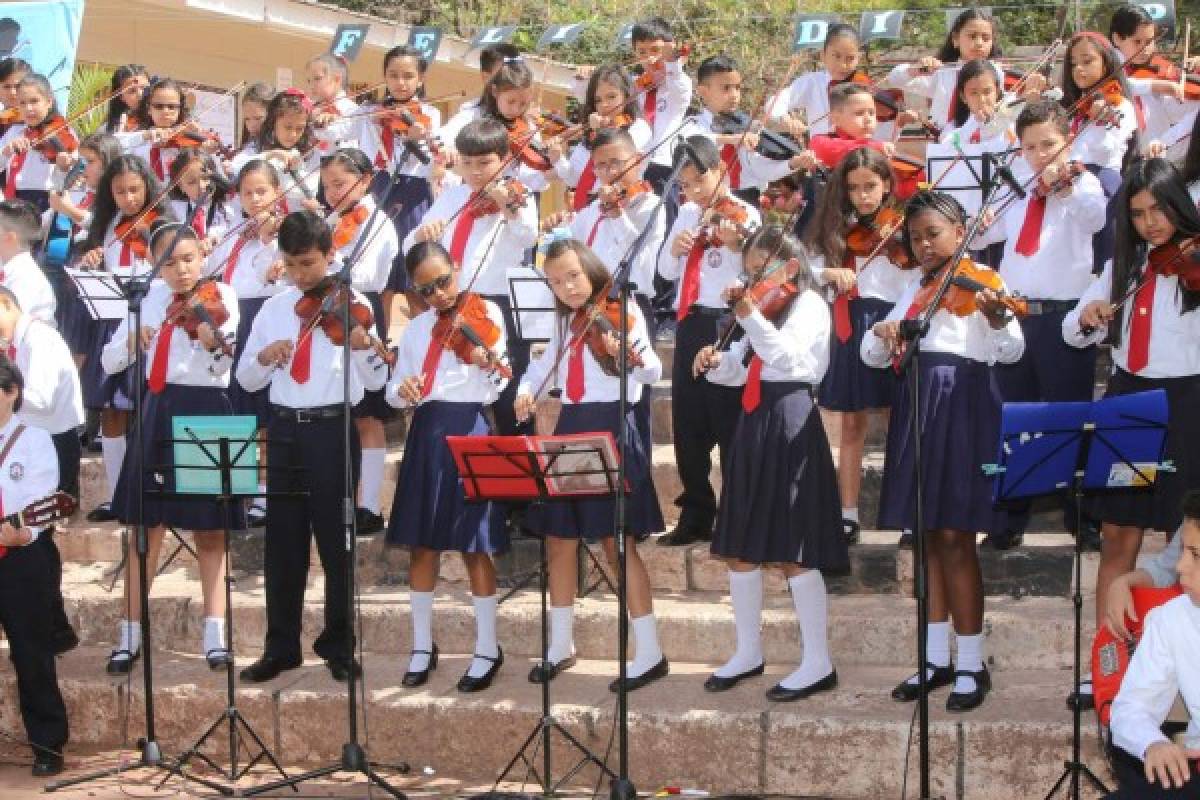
(1111, 655)
(51, 508)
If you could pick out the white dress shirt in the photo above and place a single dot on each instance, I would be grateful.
(1178, 137)
(672, 101)
(1061, 269)
(119, 262)
(878, 278)
(295, 192)
(1170, 328)
(970, 337)
(756, 170)
(22, 276)
(467, 113)
(158, 157)
(29, 471)
(797, 350)
(938, 86)
(374, 264)
(495, 244)
(1163, 666)
(52, 399)
(37, 174)
(571, 166)
(610, 237)
(598, 386)
(456, 381)
(366, 133)
(720, 267)
(188, 362)
(1102, 146)
(330, 140)
(810, 93)
(989, 141)
(251, 262)
(222, 217)
(277, 321)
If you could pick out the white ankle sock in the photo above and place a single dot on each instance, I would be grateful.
(112, 449)
(746, 597)
(812, 612)
(970, 658)
(370, 482)
(485, 635)
(214, 634)
(647, 653)
(937, 648)
(562, 638)
(850, 514)
(421, 607)
(129, 636)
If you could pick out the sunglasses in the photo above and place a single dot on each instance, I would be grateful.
(437, 284)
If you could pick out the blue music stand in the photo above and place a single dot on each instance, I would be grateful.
(1045, 448)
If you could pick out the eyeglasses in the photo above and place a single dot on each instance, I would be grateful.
(437, 284)
(165, 106)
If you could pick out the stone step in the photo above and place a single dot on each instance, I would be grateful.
(847, 743)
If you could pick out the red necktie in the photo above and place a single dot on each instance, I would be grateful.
(301, 367)
(575, 370)
(198, 221)
(433, 354)
(87, 200)
(389, 145)
(975, 138)
(953, 107)
(1140, 110)
(1139, 328)
(1030, 238)
(156, 162)
(583, 189)
(158, 365)
(231, 263)
(752, 392)
(12, 355)
(595, 227)
(14, 169)
(689, 288)
(650, 106)
(462, 233)
(729, 155)
(841, 304)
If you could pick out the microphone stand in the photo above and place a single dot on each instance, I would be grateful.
(622, 787)
(354, 755)
(913, 331)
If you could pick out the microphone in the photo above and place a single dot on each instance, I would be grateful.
(1005, 175)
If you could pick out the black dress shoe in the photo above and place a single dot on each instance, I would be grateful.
(101, 513)
(544, 673)
(686, 534)
(369, 523)
(659, 670)
(65, 640)
(218, 658)
(46, 765)
(414, 678)
(718, 683)
(908, 692)
(468, 684)
(340, 668)
(906, 541)
(965, 701)
(781, 694)
(851, 531)
(120, 662)
(256, 517)
(1006, 540)
(268, 668)
(1084, 699)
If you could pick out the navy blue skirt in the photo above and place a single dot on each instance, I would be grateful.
(1158, 509)
(960, 424)
(849, 384)
(409, 201)
(1103, 240)
(374, 405)
(257, 403)
(75, 323)
(430, 508)
(100, 390)
(596, 518)
(199, 514)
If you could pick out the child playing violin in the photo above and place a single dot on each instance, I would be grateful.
(254, 104)
(857, 234)
(128, 84)
(448, 379)
(705, 258)
(664, 90)
(164, 121)
(1159, 98)
(1146, 310)
(326, 77)
(779, 503)
(296, 348)
(187, 325)
(12, 72)
(977, 119)
(508, 99)
(1047, 259)
(491, 58)
(128, 201)
(959, 430)
(485, 223)
(198, 197)
(583, 358)
(288, 142)
(803, 106)
(29, 149)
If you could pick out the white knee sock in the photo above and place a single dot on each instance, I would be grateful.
(214, 634)
(970, 658)
(646, 653)
(112, 450)
(129, 636)
(562, 637)
(937, 648)
(812, 612)
(850, 514)
(485, 635)
(421, 606)
(371, 480)
(746, 596)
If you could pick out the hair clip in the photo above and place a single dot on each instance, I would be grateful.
(299, 94)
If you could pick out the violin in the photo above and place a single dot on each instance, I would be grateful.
(1160, 68)
(133, 231)
(184, 139)
(888, 102)
(1071, 171)
(1101, 104)
(521, 134)
(465, 327)
(322, 307)
(961, 298)
(622, 121)
(881, 232)
(406, 116)
(1179, 259)
(10, 116)
(906, 168)
(597, 318)
(771, 289)
(621, 198)
(347, 226)
(653, 74)
(51, 137)
(483, 205)
(782, 198)
(772, 145)
(201, 305)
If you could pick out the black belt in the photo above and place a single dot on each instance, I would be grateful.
(707, 311)
(316, 414)
(1039, 307)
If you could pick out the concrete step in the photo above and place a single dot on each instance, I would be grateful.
(847, 743)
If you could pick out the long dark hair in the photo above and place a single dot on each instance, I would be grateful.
(1163, 181)
(257, 92)
(929, 200)
(827, 232)
(105, 209)
(514, 73)
(782, 246)
(1191, 161)
(116, 106)
(596, 271)
(970, 71)
(615, 75)
(143, 109)
(949, 52)
(286, 102)
(187, 157)
(407, 51)
(1111, 58)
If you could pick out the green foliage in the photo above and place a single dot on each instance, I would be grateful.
(89, 83)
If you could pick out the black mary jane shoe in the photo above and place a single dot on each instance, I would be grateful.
(268, 668)
(102, 513)
(1003, 542)
(417, 677)
(64, 640)
(908, 692)
(965, 701)
(659, 670)
(218, 658)
(781, 694)
(906, 541)
(47, 765)
(544, 672)
(851, 531)
(468, 684)
(685, 534)
(719, 683)
(341, 667)
(120, 662)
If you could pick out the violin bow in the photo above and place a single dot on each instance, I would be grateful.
(68, 121)
(1138, 285)
(379, 112)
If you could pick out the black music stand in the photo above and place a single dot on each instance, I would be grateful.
(223, 462)
(507, 468)
(1081, 448)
